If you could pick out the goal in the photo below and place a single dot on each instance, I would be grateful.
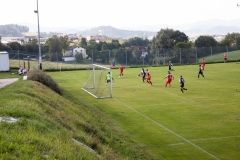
(96, 81)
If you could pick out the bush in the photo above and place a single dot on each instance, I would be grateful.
(40, 76)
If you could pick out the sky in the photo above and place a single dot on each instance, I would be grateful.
(121, 14)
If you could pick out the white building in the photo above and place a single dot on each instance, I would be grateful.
(71, 51)
(4, 61)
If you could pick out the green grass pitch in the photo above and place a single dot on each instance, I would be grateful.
(199, 124)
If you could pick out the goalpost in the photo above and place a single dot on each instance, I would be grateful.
(96, 81)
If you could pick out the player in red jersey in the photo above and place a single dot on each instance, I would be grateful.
(121, 71)
(169, 79)
(203, 63)
(149, 77)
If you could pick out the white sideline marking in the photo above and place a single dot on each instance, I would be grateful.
(167, 129)
(162, 104)
(176, 144)
(206, 139)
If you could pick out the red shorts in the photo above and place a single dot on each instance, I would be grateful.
(168, 81)
(148, 78)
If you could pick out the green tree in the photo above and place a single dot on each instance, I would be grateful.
(114, 44)
(83, 43)
(64, 42)
(79, 57)
(55, 48)
(92, 45)
(183, 51)
(231, 39)
(15, 46)
(32, 46)
(167, 38)
(104, 47)
(136, 41)
(120, 55)
(205, 41)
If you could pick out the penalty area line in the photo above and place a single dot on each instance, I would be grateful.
(160, 125)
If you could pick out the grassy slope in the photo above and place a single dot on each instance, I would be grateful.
(47, 123)
(200, 123)
(232, 56)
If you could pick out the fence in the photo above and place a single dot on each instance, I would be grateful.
(128, 57)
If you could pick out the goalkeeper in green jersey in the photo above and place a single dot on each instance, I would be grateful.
(109, 78)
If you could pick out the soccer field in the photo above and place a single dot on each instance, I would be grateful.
(200, 123)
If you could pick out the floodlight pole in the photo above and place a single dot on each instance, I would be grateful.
(39, 44)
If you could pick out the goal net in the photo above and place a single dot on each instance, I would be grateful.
(96, 81)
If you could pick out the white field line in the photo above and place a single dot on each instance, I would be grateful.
(176, 144)
(170, 93)
(206, 139)
(214, 138)
(163, 104)
(160, 125)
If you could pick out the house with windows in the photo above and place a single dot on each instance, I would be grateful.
(71, 51)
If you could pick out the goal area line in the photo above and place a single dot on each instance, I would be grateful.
(99, 97)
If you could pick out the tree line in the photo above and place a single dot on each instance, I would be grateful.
(167, 39)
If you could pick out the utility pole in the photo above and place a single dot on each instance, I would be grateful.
(39, 44)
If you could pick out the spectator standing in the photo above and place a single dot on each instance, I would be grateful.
(225, 57)
(203, 63)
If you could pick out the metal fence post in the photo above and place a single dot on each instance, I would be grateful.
(196, 54)
(126, 56)
(75, 62)
(211, 52)
(92, 57)
(57, 60)
(164, 56)
(28, 63)
(18, 59)
(108, 56)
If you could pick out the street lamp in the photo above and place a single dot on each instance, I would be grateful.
(39, 45)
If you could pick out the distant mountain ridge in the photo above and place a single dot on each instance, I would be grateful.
(208, 27)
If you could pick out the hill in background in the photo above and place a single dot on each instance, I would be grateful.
(209, 27)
